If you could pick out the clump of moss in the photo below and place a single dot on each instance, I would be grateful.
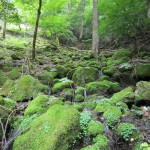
(122, 60)
(142, 91)
(3, 78)
(84, 75)
(126, 131)
(62, 71)
(142, 71)
(67, 94)
(62, 84)
(122, 53)
(79, 98)
(104, 77)
(95, 128)
(14, 73)
(102, 87)
(55, 129)
(26, 87)
(37, 105)
(109, 70)
(142, 146)
(112, 116)
(126, 95)
(79, 94)
(6, 87)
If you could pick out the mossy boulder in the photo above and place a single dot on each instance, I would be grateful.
(122, 53)
(37, 105)
(6, 87)
(143, 91)
(62, 84)
(126, 95)
(55, 129)
(102, 87)
(61, 70)
(95, 128)
(112, 116)
(79, 98)
(122, 60)
(14, 73)
(142, 71)
(3, 78)
(26, 87)
(79, 94)
(109, 70)
(84, 75)
(67, 94)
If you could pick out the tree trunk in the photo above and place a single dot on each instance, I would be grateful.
(4, 30)
(36, 29)
(95, 38)
(148, 13)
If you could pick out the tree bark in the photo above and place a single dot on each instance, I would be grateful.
(36, 29)
(148, 13)
(4, 30)
(95, 38)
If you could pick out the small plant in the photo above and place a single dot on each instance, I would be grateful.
(126, 66)
(126, 130)
(85, 118)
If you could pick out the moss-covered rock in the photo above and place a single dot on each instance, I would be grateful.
(104, 77)
(67, 94)
(27, 87)
(102, 87)
(112, 116)
(143, 91)
(84, 75)
(126, 95)
(79, 98)
(126, 131)
(142, 146)
(55, 129)
(95, 128)
(14, 73)
(62, 84)
(62, 71)
(6, 87)
(142, 71)
(109, 70)
(3, 78)
(37, 105)
(122, 53)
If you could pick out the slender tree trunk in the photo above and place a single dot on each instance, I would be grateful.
(36, 29)
(4, 30)
(95, 38)
(148, 13)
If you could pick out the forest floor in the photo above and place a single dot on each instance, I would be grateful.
(111, 95)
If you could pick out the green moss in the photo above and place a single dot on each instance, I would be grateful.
(79, 98)
(100, 139)
(143, 90)
(47, 78)
(112, 116)
(6, 87)
(95, 128)
(103, 105)
(3, 78)
(62, 84)
(126, 131)
(104, 77)
(14, 73)
(122, 60)
(142, 146)
(67, 94)
(126, 95)
(109, 70)
(142, 70)
(37, 105)
(26, 87)
(122, 53)
(55, 129)
(102, 87)
(62, 71)
(84, 75)
(80, 90)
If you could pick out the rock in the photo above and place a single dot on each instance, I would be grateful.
(62, 71)
(6, 87)
(95, 128)
(143, 91)
(55, 129)
(112, 116)
(122, 53)
(14, 73)
(126, 95)
(102, 87)
(62, 84)
(84, 75)
(142, 71)
(27, 87)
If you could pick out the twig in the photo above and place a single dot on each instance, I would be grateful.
(5, 108)
(4, 137)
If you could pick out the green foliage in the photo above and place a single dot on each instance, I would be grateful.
(126, 130)
(14, 74)
(126, 66)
